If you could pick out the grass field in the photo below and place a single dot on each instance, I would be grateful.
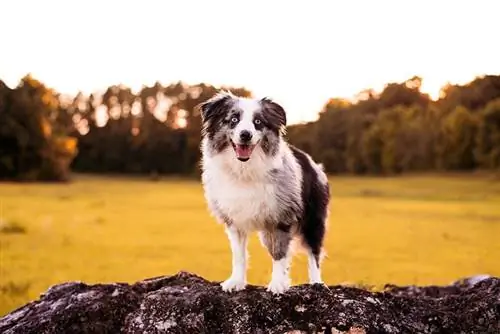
(412, 229)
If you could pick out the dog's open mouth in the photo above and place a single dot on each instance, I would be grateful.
(243, 151)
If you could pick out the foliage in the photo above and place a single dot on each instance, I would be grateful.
(157, 130)
(31, 149)
(405, 230)
(488, 138)
(402, 130)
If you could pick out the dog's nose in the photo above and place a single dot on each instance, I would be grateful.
(245, 135)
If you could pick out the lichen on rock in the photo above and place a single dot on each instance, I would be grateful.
(186, 303)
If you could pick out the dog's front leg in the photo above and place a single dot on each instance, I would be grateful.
(238, 240)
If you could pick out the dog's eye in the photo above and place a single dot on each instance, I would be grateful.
(257, 121)
(234, 119)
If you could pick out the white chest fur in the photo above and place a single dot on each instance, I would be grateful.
(248, 205)
(241, 191)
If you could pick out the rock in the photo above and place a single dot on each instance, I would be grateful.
(186, 303)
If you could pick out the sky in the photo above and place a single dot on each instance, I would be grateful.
(300, 53)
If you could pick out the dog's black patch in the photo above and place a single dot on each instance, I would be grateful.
(284, 227)
(271, 137)
(258, 121)
(315, 198)
(215, 113)
(267, 147)
(219, 142)
(273, 116)
(233, 119)
(272, 124)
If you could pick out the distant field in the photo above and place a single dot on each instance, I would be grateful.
(413, 229)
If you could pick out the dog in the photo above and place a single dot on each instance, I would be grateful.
(253, 180)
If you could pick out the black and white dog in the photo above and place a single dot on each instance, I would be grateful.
(255, 181)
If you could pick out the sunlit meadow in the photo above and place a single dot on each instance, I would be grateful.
(403, 230)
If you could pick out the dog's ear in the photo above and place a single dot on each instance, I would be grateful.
(216, 105)
(274, 113)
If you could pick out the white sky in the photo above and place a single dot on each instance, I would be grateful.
(300, 53)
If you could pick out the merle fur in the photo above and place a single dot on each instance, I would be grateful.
(306, 218)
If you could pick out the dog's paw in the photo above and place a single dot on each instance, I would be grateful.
(278, 286)
(233, 284)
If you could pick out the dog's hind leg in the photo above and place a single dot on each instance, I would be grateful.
(313, 234)
(313, 228)
(238, 240)
(277, 242)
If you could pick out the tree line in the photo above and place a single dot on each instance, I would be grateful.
(45, 135)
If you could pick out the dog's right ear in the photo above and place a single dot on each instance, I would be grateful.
(216, 105)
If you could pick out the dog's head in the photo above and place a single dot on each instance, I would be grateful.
(243, 124)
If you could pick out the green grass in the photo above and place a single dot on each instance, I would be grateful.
(406, 230)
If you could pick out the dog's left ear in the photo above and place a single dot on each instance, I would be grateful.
(275, 113)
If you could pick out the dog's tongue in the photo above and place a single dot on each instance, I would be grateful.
(243, 151)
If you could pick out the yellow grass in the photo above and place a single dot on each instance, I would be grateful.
(413, 229)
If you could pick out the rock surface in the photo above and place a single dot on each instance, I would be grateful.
(186, 303)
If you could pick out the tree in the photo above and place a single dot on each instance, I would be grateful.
(157, 130)
(474, 95)
(31, 150)
(330, 137)
(487, 151)
(458, 133)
